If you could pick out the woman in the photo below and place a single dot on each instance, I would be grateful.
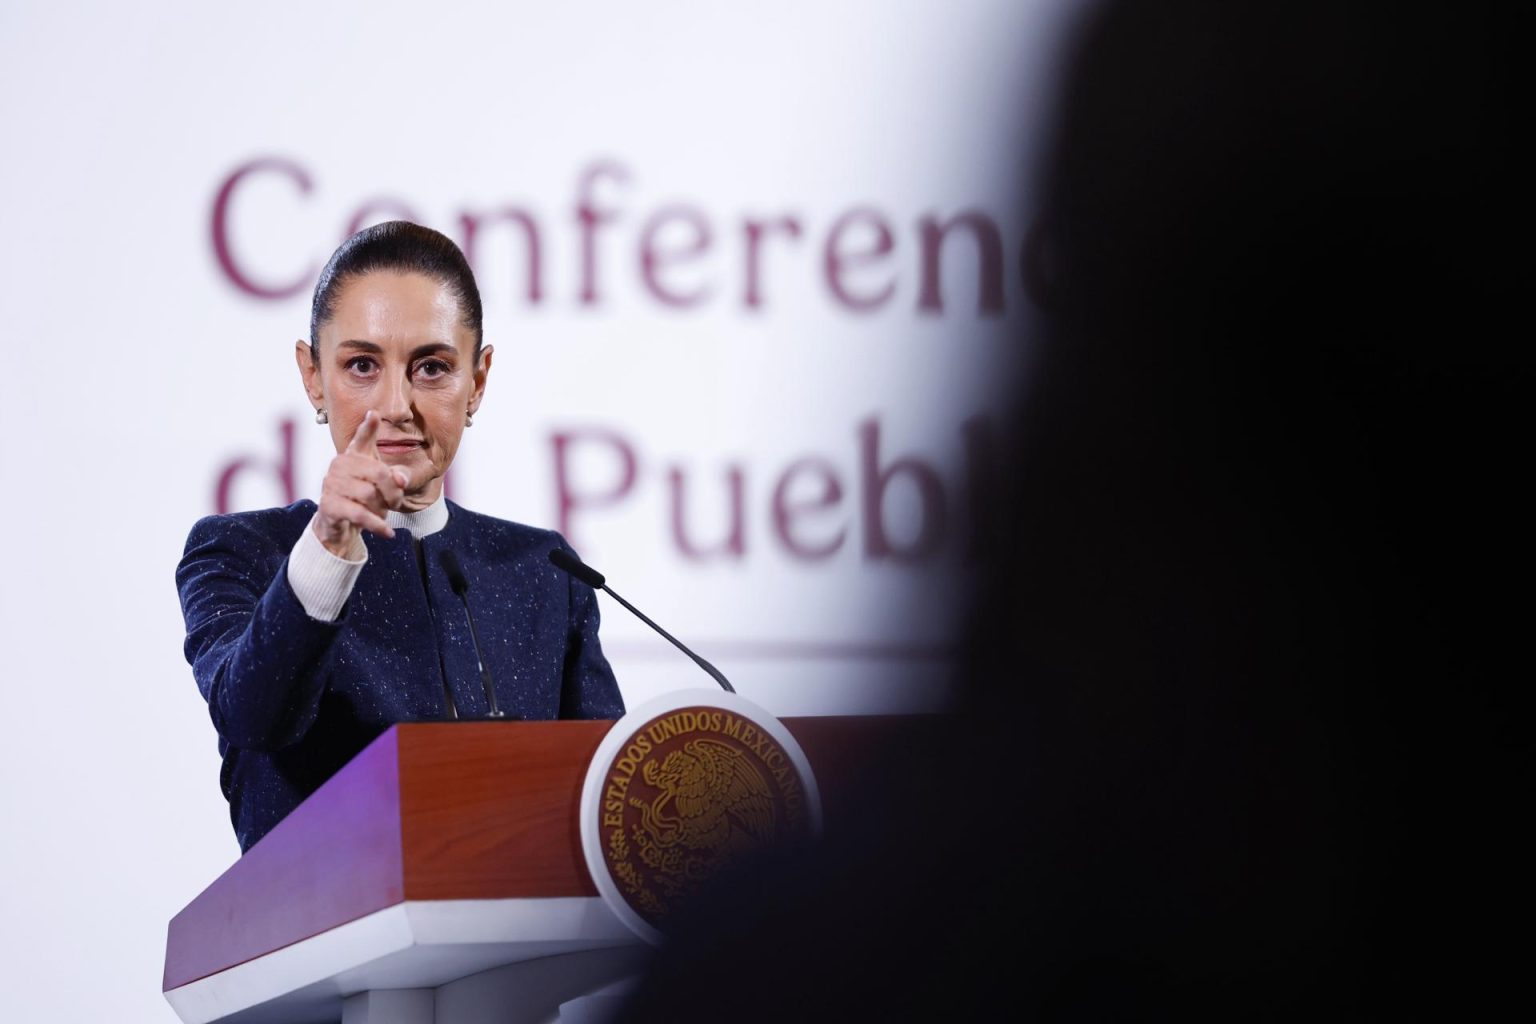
(312, 628)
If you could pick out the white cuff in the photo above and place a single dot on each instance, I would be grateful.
(321, 581)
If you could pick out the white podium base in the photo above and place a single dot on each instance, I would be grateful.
(428, 962)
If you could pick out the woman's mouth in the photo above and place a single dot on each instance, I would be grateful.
(398, 446)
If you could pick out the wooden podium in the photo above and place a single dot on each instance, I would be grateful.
(438, 877)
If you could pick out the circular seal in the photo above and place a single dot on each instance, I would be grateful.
(679, 788)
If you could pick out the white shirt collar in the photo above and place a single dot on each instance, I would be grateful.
(424, 523)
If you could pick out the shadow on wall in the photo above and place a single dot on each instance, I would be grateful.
(1238, 739)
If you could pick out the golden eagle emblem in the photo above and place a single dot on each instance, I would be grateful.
(713, 801)
(691, 792)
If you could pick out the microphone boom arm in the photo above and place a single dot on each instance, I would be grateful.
(706, 666)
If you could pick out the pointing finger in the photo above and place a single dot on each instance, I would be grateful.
(367, 431)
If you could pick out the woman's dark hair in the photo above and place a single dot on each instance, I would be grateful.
(403, 247)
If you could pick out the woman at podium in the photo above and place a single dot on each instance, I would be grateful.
(313, 628)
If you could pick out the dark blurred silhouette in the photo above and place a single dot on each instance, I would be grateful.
(1238, 736)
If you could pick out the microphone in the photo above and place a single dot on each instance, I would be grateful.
(460, 585)
(594, 579)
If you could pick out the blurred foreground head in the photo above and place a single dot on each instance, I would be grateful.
(1237, 740)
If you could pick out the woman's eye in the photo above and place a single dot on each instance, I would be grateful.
(432, 368)
(360, 364)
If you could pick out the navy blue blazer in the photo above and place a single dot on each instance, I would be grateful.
(294, 698)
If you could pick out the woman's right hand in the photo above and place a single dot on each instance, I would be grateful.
(358, 489)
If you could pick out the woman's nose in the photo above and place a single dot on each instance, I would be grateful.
(395, 402)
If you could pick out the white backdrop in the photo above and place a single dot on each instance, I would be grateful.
(765, 294)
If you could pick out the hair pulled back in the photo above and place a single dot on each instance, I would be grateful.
(402, 247)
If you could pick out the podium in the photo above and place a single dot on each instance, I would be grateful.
(438, 877)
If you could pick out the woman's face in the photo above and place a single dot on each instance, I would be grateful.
(396, 345)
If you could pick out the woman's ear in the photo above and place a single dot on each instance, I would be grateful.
(482, 371)
(310, 373)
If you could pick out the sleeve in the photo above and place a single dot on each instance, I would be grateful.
(259, 658)
(320, 580)
(589, 689)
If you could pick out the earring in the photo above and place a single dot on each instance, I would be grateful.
(469, 419)
(321, 416)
